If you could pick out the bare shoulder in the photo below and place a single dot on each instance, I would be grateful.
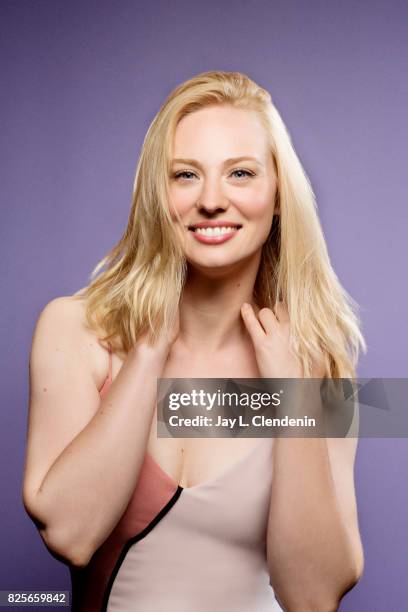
(67, 313)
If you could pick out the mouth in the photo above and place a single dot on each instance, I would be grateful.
(214, 233)
(214, 230)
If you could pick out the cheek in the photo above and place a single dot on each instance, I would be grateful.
(257, 204)
(180, 202)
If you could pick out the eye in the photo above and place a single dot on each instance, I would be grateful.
(185, 174)
(243, 173)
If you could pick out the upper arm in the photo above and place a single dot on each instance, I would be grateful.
(342, 453)
(63, 394)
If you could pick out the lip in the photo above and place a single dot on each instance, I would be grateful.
(214, 239)
(214, 224)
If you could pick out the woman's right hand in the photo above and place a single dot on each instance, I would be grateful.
(166, 339)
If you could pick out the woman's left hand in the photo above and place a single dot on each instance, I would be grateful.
(270, 334)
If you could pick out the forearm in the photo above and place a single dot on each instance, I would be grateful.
(88, 487)
(308, 547)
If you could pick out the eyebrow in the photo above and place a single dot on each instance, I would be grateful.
(227, 162)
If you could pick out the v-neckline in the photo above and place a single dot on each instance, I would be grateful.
(230, 469)
(212, 481)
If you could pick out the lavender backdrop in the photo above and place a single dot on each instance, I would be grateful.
(81, 82)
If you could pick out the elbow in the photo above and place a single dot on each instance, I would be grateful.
(308, 605)
(65, 549)
(326, 600)
(355, 573)
(359, 565)
(332, 601)
(355, 569)
(60, 544)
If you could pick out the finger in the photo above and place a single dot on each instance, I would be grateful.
(268, 320)
(252, 324)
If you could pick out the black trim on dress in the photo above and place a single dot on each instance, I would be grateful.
(132, 541)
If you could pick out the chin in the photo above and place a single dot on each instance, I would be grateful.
(215, 266)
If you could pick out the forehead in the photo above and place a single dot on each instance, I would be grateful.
(222, 130)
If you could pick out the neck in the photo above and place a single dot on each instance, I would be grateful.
(210, 307)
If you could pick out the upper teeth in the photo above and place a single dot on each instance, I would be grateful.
(214, 231)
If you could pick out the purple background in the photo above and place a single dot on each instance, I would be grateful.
(81, 82)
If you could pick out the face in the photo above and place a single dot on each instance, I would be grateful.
(222, 175)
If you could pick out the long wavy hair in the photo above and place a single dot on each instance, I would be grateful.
(139, 290)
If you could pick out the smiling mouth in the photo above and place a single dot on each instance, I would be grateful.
(215, 231)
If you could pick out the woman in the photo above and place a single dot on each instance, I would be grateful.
(168, 524)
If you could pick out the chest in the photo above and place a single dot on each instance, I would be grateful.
(193, 461)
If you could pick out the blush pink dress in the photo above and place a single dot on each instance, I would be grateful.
(195, 549)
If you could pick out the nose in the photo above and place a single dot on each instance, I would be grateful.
(212, 197)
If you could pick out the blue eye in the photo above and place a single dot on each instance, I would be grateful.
(245, 172)
(182, 174)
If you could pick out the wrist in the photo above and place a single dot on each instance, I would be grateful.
(154, 352)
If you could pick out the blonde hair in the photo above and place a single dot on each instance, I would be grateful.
(140, 289)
